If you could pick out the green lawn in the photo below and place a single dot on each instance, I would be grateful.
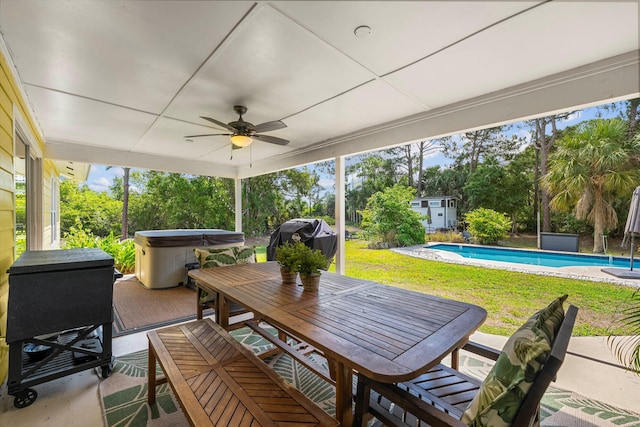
(509, 297)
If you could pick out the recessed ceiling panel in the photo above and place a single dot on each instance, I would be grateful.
(405, 31)
(136, 54)
(521, 49)
(368, 105)
(79, 120)
(272, 66)
(166, 138)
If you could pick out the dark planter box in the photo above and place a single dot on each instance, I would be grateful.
(560, 242)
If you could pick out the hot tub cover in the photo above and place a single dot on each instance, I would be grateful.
(195, 237)
(315, 233)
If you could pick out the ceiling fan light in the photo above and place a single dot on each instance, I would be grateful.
(241, 140)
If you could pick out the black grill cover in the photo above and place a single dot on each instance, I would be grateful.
(314, 233)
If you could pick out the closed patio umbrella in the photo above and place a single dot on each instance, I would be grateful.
(631, 229)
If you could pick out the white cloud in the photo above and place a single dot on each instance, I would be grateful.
(100, 184)
(575, 116)
(326, 183)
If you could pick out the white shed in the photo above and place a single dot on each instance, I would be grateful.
(442, 212)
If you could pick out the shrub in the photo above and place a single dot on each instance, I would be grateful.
(487, 226)
(123, 253)
(389, 219)
(449, 236)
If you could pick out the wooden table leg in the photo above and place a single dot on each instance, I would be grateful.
(344, 392)
(151, 375)
(222, 311)
(198, 304)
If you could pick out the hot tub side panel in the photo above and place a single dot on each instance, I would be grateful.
(161, 257)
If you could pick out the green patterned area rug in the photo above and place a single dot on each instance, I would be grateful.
(124, 394)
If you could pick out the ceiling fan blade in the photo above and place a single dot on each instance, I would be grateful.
(269, 126)
(271, 139)
(208, 134)
(219, 123)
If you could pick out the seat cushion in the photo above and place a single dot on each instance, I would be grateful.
(220, 257)
(502, 392)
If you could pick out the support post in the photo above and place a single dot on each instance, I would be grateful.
(340, 214)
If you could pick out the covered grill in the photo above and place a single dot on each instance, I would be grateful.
(315, 233)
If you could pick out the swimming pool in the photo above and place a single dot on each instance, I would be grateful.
(543, 258)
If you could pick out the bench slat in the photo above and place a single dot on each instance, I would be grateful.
(219, 382)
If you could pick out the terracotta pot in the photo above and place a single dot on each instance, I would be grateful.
(288, 276)
(310, 283)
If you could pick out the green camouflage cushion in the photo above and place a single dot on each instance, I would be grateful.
(522, 357)
(220, 257)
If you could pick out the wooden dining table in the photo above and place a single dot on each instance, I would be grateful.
(383, 332)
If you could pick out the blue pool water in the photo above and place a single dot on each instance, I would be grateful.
(544, 258)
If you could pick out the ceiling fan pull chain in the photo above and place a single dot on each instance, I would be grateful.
(250, 156)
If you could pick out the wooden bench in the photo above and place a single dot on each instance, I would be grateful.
(218, 382)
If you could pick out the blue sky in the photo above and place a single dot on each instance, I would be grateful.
(100, 178)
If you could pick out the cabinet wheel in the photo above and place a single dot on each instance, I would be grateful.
(25, 398)
(106, 370)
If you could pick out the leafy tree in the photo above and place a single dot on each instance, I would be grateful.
(487, 226)
(171, 200)
(594, 164)
(370, 173)
(504, 188)
(439, 181)
(263, 205)
(483, 187)
(125, 201)
(543, 143)
(97, 212)
(471, 148)
(389, 218)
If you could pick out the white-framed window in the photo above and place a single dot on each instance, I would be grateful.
(27, 176)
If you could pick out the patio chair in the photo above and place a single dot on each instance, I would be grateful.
(446, 397)
(218, 257)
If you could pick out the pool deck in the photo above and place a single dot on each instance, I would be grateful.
(577, 272)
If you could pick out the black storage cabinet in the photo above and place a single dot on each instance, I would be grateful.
(60, 301)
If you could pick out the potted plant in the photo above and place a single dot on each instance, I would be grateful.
(286, 257)
(309, 263)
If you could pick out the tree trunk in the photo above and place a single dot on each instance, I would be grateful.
(421, 146)
(598, 222)
(407, 149)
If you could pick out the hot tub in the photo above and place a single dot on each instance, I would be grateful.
(161, 255)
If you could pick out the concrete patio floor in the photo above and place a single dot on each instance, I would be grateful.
(590, 369)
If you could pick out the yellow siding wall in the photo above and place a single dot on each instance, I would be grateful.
(7, 216)
(9, 97)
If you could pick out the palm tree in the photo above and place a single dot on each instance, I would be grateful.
(627, 348)
(592, 167)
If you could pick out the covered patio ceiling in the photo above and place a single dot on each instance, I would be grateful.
(122, 83)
